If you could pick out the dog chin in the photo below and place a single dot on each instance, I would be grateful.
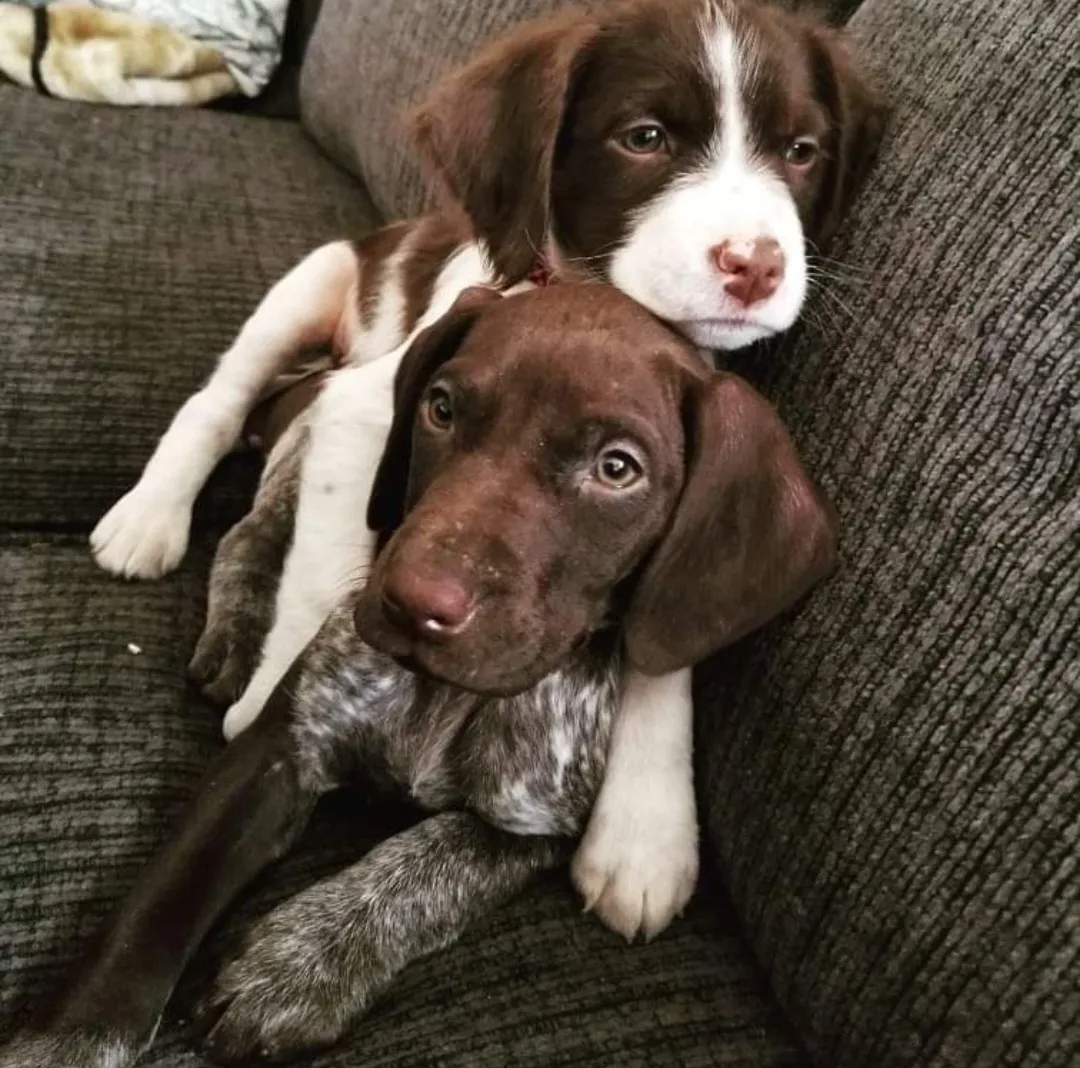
(447, 664)
(724, 334)
(442, 665)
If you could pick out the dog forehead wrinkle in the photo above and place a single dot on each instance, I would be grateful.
(563, 400)
(649, 66)
(561, 408)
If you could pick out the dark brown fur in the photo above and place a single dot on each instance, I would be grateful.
(549, 559)
(372, 254)
(434, 239)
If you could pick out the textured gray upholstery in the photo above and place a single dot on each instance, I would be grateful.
(133, 244)
(99, 747)
(889, 776)
(893, 778)
(367, 62)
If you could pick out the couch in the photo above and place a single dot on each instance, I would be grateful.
(889, 777)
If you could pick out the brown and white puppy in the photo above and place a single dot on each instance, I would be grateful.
(524, 489)
(686, 151)
(563, 480)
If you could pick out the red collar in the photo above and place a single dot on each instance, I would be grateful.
(542, 274)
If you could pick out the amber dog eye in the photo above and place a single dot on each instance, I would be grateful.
(645, 139)
(801, 152)
(439, 409)
(618, 469)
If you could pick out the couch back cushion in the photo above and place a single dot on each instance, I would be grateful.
(369, 60)
(133, 244)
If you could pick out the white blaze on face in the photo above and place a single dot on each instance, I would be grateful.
(667, 261)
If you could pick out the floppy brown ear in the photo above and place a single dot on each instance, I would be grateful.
(750, 535)
(488, 133)
(428, 352)
(858, 114)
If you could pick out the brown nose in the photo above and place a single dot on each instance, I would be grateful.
(434, 609)
(752, 270)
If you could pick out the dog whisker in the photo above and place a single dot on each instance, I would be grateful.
(817, 273)
(837, 302)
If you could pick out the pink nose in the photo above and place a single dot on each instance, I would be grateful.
(435, 609)
(752, 269)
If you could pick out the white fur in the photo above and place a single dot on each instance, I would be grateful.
(386, 329)
(145, 534)
(637, 865)
(332, 546)
(518, 810)
(665, 262)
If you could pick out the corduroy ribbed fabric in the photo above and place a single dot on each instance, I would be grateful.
(892, 777)
(134, 242)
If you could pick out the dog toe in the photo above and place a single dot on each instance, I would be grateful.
(273, 1001)
(205, 664)
(69, 1049)
(243, 1034)
(252, 1027)
(637, 866)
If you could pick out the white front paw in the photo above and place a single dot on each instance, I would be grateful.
(242, 714)
(637, 865)
(141, 536)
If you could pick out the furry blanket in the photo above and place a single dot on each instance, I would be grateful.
(142, 51)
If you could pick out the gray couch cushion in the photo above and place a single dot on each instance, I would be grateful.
(99, 747)
(893, 777)
(368, 61)
(135, 242)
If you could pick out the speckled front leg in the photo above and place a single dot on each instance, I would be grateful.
(311, 967)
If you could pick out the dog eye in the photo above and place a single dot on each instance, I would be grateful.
(645, 139)
(801, 152)
(618, 469)
(439, 409)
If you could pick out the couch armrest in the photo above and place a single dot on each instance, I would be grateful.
(891, 775)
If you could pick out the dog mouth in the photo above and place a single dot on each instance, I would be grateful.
(408, 662)
(451, 663)
(417, 661)
(724, 332)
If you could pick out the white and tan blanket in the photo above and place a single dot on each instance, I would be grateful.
(167, 52)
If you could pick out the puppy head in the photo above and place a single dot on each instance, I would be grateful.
(552, 467)
(533, 460)
(684, 150)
